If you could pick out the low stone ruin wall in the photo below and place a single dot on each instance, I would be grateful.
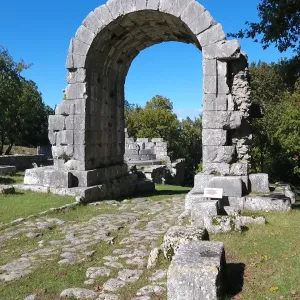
(146, 149)
(23, 162)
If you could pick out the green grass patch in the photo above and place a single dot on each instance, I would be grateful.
(18, 178)
(25, 203)
(269, 255)
(164, 191)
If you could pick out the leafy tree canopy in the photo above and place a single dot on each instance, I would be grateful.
(279, 23)
(23, 113)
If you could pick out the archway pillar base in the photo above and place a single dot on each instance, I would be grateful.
(93, 185)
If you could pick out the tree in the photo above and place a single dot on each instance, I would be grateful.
(23, 114)
(276, 142)
(189, 146)
(156, 120)
(279, 23)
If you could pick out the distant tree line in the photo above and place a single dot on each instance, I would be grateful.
(23, 115)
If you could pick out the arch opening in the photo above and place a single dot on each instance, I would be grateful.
(87, 130)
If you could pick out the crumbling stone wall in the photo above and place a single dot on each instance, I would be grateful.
(146, 149)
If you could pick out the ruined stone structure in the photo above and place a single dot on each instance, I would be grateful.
(144, 149)
(87, 130)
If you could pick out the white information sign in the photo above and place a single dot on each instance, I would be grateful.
(213, 193)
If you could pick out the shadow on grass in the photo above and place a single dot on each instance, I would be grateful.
(160, 193)
(6, 181)
(235, 278)
(296, 205)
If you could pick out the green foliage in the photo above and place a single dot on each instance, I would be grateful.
(189, 146)
(279, 23)
(23, 114)
(157, 120)
(276, 136)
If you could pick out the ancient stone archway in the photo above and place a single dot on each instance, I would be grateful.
(87, 130)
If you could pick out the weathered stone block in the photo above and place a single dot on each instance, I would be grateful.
(214, 137)
(201, 182)
(56, 122)
(210, 67)
(216, 168)
(202, 209)
(178, 235)
(222, 68)
(237, 202)
(65, 108)
(153, 4)
(196, 271)
(259, 183)
(212, 35)
(75, 91)
(222, 86)
(239, 169)
(49, 177)
(232, 186)
(93, 23)
(221, 119)
(201, 23)
(224, 50)
(213, 102)
(85, 35)
(268, 203)
(191, 12)
(65, 137)
(79, 47)
(210, 84)
(223, 224)
(221, 154)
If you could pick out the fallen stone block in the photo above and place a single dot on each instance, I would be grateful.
(197, 271)
(244, 220)
(222, 224)
(178, 235)
(271, 202)
(259, 183)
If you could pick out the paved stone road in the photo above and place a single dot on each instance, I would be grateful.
(141, 224)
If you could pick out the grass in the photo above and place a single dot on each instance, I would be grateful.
(25, 203)
(263, 261)
(21, 150)
(268, 258)
(18, 178)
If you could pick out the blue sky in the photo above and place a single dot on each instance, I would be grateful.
(40, 32)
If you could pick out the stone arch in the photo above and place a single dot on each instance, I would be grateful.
(87, 130)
